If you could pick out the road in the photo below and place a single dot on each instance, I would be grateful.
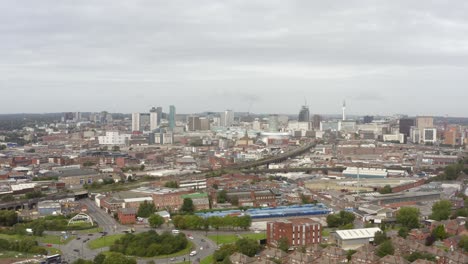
(78, 247)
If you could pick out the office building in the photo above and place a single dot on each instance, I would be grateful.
(135, 122)
(304, 115)
(273, 123)
(424, 122)
(316, 119)
(298, 231)
(453, 135)
(193, 123)
(153, 119)
(172, 115)
(368, 119)
(405, 125)
(227, 118)
(204, 123)
(160, 113)
(429, 135)
(114, 138)
(415, 135)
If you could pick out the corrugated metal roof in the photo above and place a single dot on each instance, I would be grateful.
(358, 233)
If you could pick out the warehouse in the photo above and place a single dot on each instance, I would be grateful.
(354, 238)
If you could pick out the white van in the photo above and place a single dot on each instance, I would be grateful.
(175, 231)
(193, 253)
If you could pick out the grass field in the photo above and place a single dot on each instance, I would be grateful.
(207, 260)
(325, 232)
(48, 239)
(104, 241)
(226, 239)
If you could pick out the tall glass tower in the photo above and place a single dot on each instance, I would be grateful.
(172, 113)
(304, 114)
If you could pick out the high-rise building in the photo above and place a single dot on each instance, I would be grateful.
(316, 119)
(424, 122)
(304, 115)
(136, 122)
(160, 112)
(368, 119)
(227, 118)
(298, 232)
(273, 123)
(172, 114)
(429, 135)
(344, 110)
(193, 123)
(453, 135)
(405, 125)
(204, 123)
(153, 119)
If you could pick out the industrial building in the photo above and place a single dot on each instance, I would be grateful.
(354, 238)
(353, 172)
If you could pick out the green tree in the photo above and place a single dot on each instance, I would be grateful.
(187, 207)
(7, 198)
(99, 259)
(171, 184)
(403, 232)
(142, 167)
(439, 232)
(386, 248)
(247, 246)
(350, 254)
(146, 209)
(386, 189)
(408, 217)
(464, 243)
(8, 218)
(215, 186)
(224, 252)
(244, 222)
(441, 210)
(155, 220)
(380, 237)
(283, 244)
(342, 219)
(221, 196)
(420, 255)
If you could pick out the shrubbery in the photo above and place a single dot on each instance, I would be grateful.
(26, 245)
(150, 244)
(195, 222)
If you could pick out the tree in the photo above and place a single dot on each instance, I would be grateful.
(403, 232)
(221, 196)
(342, 219)
(115, 148)
(8, 218)
(171, 184)
(386, 248)
(215, 186)
(283, 244)
(408, 217)
(155, 220)
(142, 167)
(380, 237)
(439, 232)
(82, 261)
(8, 198)
(99, 259)
(224, 252)
(146, 209)
(350, 254)
(187, 207)
(441, 210)
(386, 189)
(248, 246)
(464, 243)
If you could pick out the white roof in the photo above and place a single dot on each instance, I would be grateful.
(21, 186)
(358, 233)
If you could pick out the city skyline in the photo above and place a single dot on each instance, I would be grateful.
(250, 56)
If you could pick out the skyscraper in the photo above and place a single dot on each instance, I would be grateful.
(135, 122)
(304, 115)
(227, 118)
(273, 123)
(159, 111)
(316, 119)
(153, 119)
(172, 114)
(344, 110)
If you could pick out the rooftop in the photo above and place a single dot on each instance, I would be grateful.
(358, 233)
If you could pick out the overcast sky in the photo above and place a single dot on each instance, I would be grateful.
(383, 57)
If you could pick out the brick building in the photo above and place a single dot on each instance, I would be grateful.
(127, 215)
(298, 231)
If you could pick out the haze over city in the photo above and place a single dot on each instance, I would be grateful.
(383, 57)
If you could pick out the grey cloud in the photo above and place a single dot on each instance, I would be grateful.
(271, 53)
